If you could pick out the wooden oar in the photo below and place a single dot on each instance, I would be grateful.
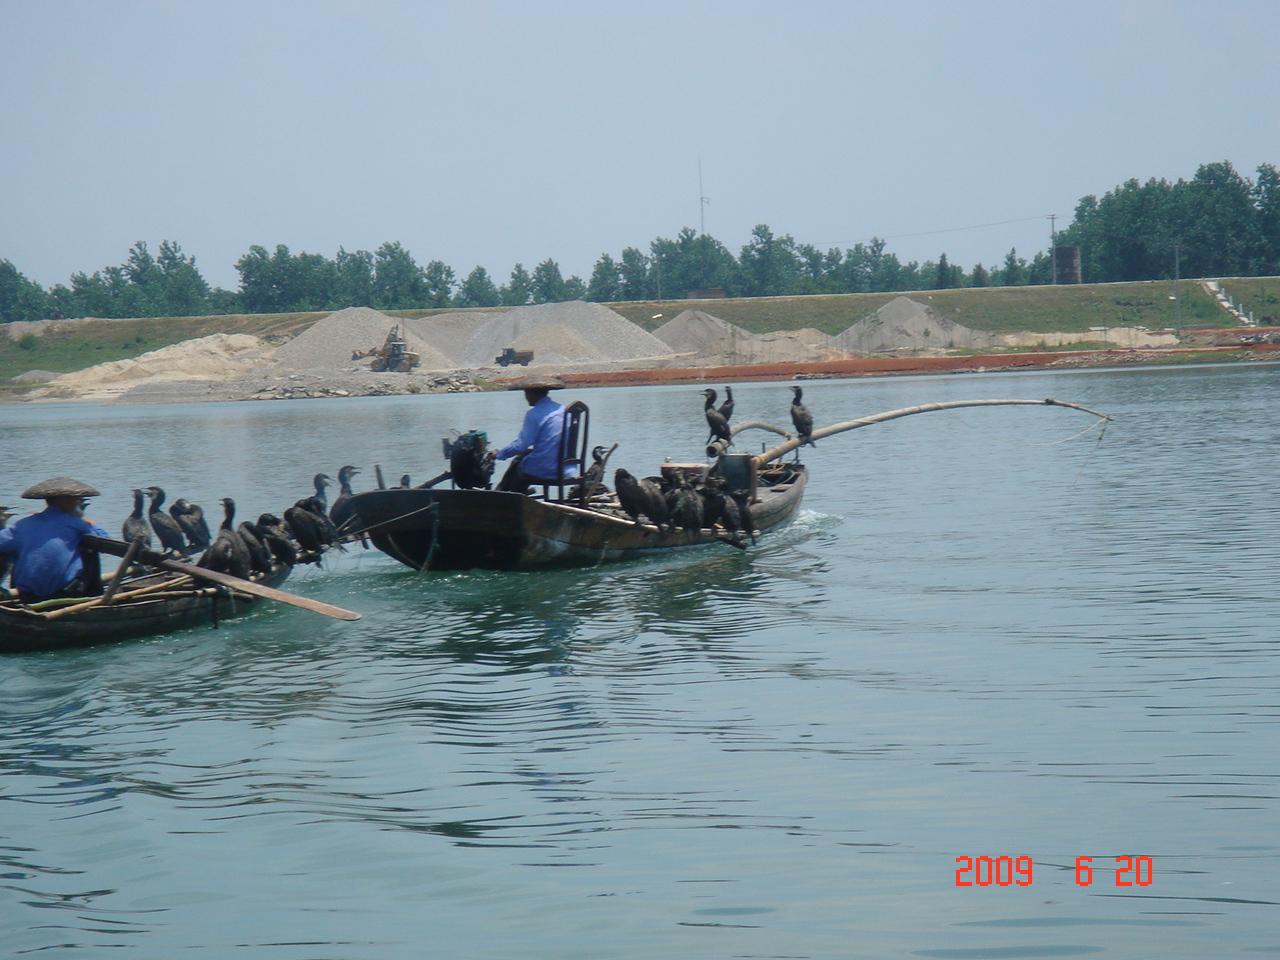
(152, 559)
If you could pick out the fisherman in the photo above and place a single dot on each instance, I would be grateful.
(538, 445)
(49, 561)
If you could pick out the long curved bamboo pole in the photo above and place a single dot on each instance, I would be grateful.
(784, 448)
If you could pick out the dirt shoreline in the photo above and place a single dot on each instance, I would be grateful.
(334, 383)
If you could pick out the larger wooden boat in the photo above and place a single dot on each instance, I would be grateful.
(430, 529)
(151, 604)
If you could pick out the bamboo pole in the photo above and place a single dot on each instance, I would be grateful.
(717, 447)
(784, 448)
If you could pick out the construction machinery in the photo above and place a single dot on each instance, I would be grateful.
(393, 355)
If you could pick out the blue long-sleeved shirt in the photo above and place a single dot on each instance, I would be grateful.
(47, 547)
(540, 435)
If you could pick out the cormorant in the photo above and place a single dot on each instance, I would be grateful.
(259, 555)
(801, 418)
(638, 497)
(322, 480)
(716, 420)
(135, 525)
(684, 506)
(166, 528)
(726, 408)
(592, 481)
(191, 519)
(311, 527)
(340, 512)
(228, 552)
(275, 537)
(745, 521)
(713, 501)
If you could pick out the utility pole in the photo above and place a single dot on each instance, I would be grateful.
(1053, 248)
(1177, 285)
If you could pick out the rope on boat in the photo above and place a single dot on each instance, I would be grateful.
(795, 442)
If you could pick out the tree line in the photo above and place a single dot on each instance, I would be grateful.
(1219, 223)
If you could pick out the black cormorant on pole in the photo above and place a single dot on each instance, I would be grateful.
(716, 420)
(801, 418)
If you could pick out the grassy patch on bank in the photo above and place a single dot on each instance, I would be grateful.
(1040, 309)
(105, 340)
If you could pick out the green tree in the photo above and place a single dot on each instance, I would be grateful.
(1219, 223)
(1267, 201)
(354, 278)
(440, 283)
(574, 288)
(399, 283)
(945, 275)
(634, 271)
(478, 290)
(547, 285)
(517, 290)
(605, 285)
(691, 262)
(1014, 273)
(183, 291)
(979, 277)
(20, 298)
(767, 265)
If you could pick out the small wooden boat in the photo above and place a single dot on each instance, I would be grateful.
(430, 529)
(150, 604)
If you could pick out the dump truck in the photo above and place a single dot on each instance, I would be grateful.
(393, 355)
(511, 355)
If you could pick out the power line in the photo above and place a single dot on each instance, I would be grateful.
(929, 233)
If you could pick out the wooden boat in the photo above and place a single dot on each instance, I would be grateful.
(430, 529)
(150, 604)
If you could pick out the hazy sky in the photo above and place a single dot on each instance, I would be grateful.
(492, 132)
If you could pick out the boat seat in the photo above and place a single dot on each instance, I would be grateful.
(573, 449)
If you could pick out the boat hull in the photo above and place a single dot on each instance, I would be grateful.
(23, 630)
(429, 529)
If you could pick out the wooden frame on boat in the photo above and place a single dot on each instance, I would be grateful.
(151, 604)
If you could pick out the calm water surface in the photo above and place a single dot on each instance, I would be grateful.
(974, 642)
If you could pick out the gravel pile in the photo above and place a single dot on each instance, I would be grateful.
(575, 331)
(331, 341)
(905, 324)
(696, 332)
(450, 332)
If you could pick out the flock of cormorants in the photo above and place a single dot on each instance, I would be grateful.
(672, 501)
(312, 525)
(307, 530)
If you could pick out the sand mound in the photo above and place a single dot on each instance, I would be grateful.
(905, 324)
(215, 357)
(331, 341)
(576, 330)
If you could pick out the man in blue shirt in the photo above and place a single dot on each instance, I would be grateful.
(46, 546)
(539, 439)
